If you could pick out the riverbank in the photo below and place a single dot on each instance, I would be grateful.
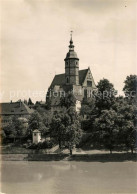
(116, 157)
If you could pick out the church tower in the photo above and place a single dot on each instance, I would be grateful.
(71, 66)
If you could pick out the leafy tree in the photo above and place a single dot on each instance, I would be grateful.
(68, 101)
(88, 113)
(73, 135)
(130, 88)
(46, 116)
(30, 102)
(2, 135)
(17, 128)
(36, 122)
(72, 114)
(58, 126)
(21, 129)
(10, 131)
(43, 106)
(130, 83)
(106, 129)
(85, 110)
(65, 127)
(127, 119)
(105, 95)
(48, 104)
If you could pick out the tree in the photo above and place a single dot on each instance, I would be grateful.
(17, 128)
(130, 88)
(73, 135)
(87, 107)
(10, 131)
(21, 129)
(106, 129)
(34, 121)
(48, 104)
(104, 96)
(130, 83)
(65, 127)
(68, 101)
(37, 121)
(58, 126)
(2, 135)
(127, 119)
(30, 102)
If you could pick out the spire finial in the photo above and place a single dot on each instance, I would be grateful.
(71, 46)
(71, 34)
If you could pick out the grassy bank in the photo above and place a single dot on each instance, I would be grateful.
(21, 150)
(116, 157)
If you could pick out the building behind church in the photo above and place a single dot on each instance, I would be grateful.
(10, 109)
(80, 82)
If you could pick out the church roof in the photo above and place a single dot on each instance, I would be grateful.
(71, 55)
(60, 78)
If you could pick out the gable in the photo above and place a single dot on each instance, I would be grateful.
(88, 80)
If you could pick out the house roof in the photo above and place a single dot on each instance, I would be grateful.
(60, 78)
(36, 131)
(15, 108)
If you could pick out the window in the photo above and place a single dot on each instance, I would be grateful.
(35, 134)
(89, 83)
(67, 80)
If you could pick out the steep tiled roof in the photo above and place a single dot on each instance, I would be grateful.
(60, 78)
(15, 108)
(82, 75)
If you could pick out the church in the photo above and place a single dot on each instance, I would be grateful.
(80, 82)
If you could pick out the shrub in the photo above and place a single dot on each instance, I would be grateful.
(42, 145)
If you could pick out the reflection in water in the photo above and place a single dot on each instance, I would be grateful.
(68, 177)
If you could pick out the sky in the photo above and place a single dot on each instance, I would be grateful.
(35, 36)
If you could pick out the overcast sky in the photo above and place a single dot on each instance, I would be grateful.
(35, 37)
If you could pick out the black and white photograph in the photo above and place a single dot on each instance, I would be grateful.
(68, 97)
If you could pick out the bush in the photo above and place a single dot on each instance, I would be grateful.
(42, 145)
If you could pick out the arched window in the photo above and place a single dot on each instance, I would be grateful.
(67, 80)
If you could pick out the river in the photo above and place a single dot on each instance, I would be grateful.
(66, 177)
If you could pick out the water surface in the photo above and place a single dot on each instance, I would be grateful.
(68, 177)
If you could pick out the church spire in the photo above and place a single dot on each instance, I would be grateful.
(71, 54)
(71, 65)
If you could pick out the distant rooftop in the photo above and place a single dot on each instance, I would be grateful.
(15, 108)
